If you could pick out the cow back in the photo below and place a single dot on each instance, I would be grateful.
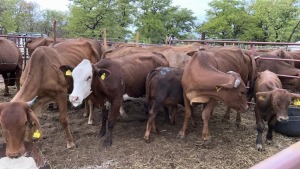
(10, 56)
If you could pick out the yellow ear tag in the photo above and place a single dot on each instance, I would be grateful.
(68, 72)
(261, 98)
(297, 102)
(36, 134)
(103, 76)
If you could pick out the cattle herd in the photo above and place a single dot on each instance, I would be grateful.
(87, 71)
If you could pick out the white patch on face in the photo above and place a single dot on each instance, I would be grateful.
(82, 77)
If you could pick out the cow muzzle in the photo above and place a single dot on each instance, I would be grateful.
(15, 154)
(283, 118)
(74, 100)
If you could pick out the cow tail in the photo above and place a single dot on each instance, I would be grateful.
(147, 103)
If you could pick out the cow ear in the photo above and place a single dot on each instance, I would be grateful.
(191, 53)
(67, 70)
(35, 128)
(103, 73)
(262, 97)
(295, 99)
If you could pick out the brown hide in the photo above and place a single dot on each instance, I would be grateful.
(44, 79)
(281, 68)
(124, 75)
(271, 103)
(296, 55)
(163, 89)
(176, 55)
(34, 43)
(11, 62)
(204, 81)
(15, 118)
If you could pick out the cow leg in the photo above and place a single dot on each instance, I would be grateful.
(238, 119)
(151, 121)
(63, 119)
(207, 111)
(115, 111)
(104, 120)
(259, 128)
(271, 124)
(18, 77)
(226, 117)
(6, 83)
(87, 108)
(90, 108)
(187, 116)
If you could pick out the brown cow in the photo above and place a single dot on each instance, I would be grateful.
(109, 80)
(34, 43)
(271, 104)
(204, 81)
(296, 55)
(163, 89)
(43, 77)
(10, 64)
(18, 121)
(280, 68)
(176, 55)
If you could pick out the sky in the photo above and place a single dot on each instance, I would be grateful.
(197, 6)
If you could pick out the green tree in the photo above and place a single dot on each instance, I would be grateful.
(7, 17)
(89, 17)
(45, 24)
(227, 19)
(157, 18)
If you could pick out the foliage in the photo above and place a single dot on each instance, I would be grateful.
(260, 20)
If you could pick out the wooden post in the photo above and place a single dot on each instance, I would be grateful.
(54, 32)
(104, 38)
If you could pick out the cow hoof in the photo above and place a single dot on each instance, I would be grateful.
(180, 136)
(147, 139)
(107, 143)
(85, 115)
(102, 133)
(71, 145)
(269, 142)
(259, 147)
(90, 122)
(205, 137)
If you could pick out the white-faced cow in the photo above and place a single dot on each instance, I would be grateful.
(10, 64)
(19, 124)
(110, 79)
(271, 104)
(43, 78)
(211, 75)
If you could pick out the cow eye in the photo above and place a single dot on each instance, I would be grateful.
(89, 78)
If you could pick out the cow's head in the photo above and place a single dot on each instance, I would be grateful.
(18, 121)
(234, 92)
(83, 75)
(279, 100)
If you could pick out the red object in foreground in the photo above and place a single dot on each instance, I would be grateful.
(285, 159)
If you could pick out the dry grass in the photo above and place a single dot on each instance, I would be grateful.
(229, 148)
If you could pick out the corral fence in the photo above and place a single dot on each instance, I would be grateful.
(261, 47)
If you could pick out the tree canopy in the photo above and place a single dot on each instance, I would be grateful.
(250, 20)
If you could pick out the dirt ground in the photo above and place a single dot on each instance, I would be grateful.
(229, 148)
